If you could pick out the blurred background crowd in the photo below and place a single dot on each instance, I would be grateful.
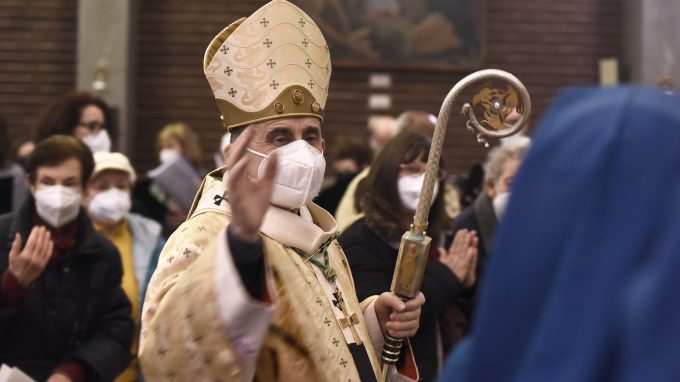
(109, 133)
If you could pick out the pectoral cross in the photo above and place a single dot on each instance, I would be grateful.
(349, 320)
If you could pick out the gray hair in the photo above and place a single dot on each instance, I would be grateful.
(498, 156)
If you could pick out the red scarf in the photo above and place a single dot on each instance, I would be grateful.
(64, 238)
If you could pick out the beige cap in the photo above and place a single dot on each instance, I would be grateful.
(113, 161)
(273, 64)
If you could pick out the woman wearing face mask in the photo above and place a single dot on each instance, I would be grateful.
(63, 313)
(389, 196)
(82, 115)
(138, 239)
(174, 140)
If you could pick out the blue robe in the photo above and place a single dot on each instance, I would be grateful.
(584, 282)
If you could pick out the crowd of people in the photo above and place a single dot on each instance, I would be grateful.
(549, 263)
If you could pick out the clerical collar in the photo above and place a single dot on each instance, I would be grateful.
(285, 227)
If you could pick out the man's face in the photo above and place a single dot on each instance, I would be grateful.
(270, 135)
(504, 182)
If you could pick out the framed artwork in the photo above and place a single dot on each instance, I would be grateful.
(393, 34)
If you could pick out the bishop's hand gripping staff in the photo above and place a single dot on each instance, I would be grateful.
(413, 250)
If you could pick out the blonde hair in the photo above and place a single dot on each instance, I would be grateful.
(187, 137)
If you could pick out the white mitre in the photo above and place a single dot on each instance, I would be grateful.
(273, 64)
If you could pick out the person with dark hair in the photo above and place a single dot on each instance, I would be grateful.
(63, 313)
(82, 115)
(12, 178)
(348, 159)
(349, 208)
(389, 198)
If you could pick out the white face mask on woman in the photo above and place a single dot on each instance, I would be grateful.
(57, 205)
(110, 206)
(299, 174)
(167, 154)
(500, 203)
(98, 142)
(409, 187)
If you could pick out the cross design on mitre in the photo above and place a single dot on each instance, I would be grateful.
(305, 42)
(267, 43)
(271, 63)
(264, 22)
(335, 342)
(232, 92)
(327, 321)
(224, 49)
(228, 71)
(301, 22)
(308, 63)
(311, 84)
(343, 362)
(274, 85)
(218, 199)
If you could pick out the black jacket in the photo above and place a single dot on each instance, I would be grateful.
(372, 261)
(75, 310)
(481, 218)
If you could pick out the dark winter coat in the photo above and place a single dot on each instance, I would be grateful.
(75, 310)
(372, 261)
(481, 218)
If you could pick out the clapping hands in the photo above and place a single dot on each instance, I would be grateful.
(461, 258)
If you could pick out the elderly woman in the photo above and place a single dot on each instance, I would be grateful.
(389, 197)
(138, 239)
(63, 313)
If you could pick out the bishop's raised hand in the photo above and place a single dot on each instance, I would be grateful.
(248, 197)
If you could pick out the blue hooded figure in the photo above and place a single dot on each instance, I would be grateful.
(584, 282)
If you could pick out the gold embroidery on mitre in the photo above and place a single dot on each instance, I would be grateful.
(260, 58)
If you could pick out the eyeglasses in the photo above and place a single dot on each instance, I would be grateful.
(92, 126)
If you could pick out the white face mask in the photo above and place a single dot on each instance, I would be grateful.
(57, 205)
(110, 206)
(500, 202)
(98, 142)
(409, 187)
(298, 176)
(167, 154)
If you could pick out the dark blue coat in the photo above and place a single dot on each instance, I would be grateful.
(75, 310)
(583, 284)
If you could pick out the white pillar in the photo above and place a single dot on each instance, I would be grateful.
(105, 34)
(651, 41)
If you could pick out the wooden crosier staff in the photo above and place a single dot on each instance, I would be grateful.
(415, 244)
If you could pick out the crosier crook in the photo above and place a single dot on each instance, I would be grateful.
(413, 250)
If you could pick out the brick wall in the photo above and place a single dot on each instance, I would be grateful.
(548, 44)
(37, 57)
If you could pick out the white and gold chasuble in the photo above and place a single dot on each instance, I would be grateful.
(199, 323)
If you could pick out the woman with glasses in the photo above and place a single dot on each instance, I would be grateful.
(389, 196)
(79, 114)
